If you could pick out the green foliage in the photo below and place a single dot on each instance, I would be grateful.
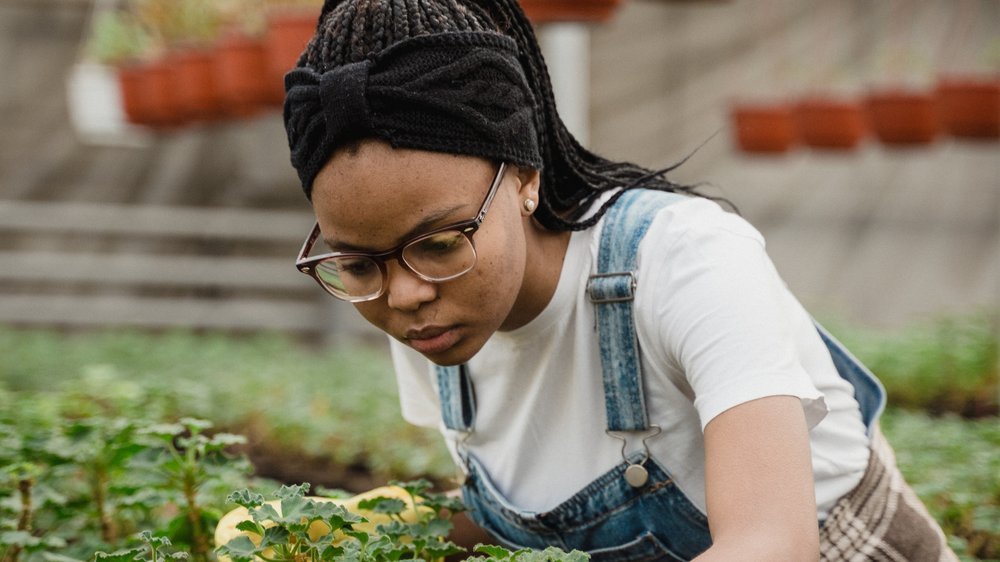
(151, 549)
(78, 478)
(954, 466)
(118, 38)
(497, 554)
(950, 365)
(289, 534)
(280, 395)
(75, 407)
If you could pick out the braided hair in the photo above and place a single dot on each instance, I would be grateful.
(572, 177)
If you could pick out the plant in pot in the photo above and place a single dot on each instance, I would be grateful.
(118, 39)
(829, 113)
(194, 31)
(968, 87)
(241, 62)
(901, 105)
(290, 26)
(544, 11)
(763, 126)
(761, 115)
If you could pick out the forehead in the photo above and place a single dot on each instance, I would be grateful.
(374, 196)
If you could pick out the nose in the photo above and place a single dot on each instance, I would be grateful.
(405, 291)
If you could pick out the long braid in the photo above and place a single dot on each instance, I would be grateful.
(574, 176)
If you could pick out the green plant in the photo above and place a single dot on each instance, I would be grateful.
(297, 528)
(949, 365)
(498, 554)
(78, 479)
(118, 38)
(954, 467)
(185, 460)
(304, 529)
(151, 549)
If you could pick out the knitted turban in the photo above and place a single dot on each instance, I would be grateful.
(460, 93)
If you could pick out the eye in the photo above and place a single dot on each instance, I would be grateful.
(441, 243)
(356, 267)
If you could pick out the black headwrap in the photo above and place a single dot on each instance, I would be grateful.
(459, 93)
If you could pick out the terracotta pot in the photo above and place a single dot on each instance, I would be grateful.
(194, 79)
(763, 127)
(901, 117)
(970, 106)
(543, 11)
(288, 33)
(148, 96)
(833, 123)
(241, 74)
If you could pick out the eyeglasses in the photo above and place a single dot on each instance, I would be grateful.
(437, 256)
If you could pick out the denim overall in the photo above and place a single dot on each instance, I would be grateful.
(611, 518)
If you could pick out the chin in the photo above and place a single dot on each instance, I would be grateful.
(458, 354)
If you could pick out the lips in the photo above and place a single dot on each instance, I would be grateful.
(433, 339)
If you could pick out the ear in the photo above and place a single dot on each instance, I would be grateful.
(529, 181)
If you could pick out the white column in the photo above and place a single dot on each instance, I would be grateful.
(566, 47)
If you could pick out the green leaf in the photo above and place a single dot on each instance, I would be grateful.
(195, 425)
(494, 551)
(223, 440)
(265, 512)
(54, 557)
(120, 555)
(294, 491)
(414, 487)
(389, 506)
(249, 526)
(18, 538)
(240, 549)
(246, 498)
(276, 535)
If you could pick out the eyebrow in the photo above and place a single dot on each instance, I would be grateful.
(428, 223)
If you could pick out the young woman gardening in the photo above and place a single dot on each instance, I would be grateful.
(614, 362)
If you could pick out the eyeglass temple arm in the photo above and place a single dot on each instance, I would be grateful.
(491, 193)
(309, 243)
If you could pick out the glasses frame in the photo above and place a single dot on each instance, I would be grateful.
(308, 265)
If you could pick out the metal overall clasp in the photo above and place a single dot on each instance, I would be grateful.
(635, 473)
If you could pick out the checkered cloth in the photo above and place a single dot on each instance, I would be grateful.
(882, 520)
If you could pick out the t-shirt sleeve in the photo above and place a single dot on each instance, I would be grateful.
(418, 398)
(721, 310)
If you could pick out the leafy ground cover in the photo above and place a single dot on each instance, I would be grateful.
(312, 415)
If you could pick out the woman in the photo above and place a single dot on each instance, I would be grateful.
(616, 370)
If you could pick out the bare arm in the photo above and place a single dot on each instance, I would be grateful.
(759, 483)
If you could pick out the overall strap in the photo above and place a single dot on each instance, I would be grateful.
(458, 399)
(612, 290)
(868, 390)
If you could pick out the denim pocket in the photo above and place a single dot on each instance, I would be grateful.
(645, 548)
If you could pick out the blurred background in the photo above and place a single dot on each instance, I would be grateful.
(149, 220)
(191, 217)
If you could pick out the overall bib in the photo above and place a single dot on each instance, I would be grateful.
(635, 511)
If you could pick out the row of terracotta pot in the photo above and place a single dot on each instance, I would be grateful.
(235, 77)
(965, 107)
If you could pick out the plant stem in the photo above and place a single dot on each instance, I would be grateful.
(100, 497)
(24, 488)
(199, 548)
(24, 521)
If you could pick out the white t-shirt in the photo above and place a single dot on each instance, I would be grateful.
(717, 327)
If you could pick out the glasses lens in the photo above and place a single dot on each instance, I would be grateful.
(350, 277)
(441, 256)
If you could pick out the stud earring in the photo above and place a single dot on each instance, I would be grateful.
(529, 205)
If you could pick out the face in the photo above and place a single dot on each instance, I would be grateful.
(376, 197)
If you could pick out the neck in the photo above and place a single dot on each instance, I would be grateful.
(543, 266)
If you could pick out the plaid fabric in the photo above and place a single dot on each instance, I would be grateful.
(882, 520)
